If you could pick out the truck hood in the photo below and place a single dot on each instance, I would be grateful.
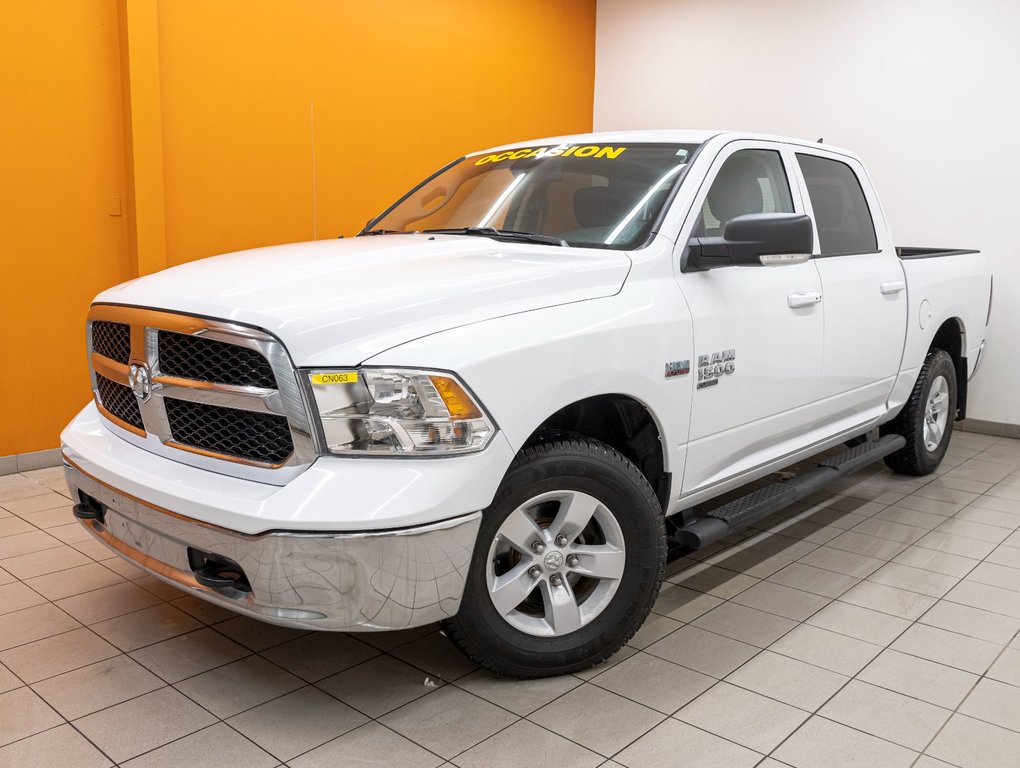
(339, 302)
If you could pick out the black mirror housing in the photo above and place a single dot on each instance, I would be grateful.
(747, 238)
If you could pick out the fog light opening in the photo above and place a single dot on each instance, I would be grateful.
(218, 572)
(88, 508)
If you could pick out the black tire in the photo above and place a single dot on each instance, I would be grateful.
(586, 466)
(915, 458)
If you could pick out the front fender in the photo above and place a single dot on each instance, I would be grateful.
(527, 366)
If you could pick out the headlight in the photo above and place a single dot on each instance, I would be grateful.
(397, 412)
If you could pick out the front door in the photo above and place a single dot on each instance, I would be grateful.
(757, 330)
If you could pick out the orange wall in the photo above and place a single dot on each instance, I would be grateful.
(61, 159)
(232, 124)
(390, 90)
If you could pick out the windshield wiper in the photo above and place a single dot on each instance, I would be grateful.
(385, 232)
(499, 234)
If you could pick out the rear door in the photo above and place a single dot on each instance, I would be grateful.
(863, 284)
(757, 330)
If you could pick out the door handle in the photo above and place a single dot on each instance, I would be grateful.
(806, 299)
(892, 286)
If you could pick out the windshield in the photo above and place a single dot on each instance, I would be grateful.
(605, 196)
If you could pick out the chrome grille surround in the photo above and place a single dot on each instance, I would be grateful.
(284, 401)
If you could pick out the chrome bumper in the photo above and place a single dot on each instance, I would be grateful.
(337, 581)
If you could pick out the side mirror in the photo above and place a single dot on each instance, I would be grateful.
(754, 240)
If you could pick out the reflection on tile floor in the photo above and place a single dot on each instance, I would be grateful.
(875, 624)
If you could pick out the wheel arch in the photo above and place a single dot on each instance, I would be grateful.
(622, 422)
(951, 338)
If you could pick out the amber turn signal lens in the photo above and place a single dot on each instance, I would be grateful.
(457, 401)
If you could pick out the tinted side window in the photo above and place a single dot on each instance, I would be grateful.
(841, 212)
(750, 181)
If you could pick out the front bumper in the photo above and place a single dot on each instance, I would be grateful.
(375, 580)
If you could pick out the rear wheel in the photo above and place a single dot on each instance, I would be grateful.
(926, 421)
(568, 562)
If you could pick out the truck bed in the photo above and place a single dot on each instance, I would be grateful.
(913, 252)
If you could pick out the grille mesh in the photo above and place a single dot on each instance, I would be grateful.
(119, 400)
(193, 357)
(112, 340)
(248, 435)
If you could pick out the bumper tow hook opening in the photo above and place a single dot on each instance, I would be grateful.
(88, 508)
(217, 572)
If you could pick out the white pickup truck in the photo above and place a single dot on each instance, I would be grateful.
(488, 408)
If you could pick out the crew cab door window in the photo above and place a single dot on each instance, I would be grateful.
(841, 211)
(750, 181)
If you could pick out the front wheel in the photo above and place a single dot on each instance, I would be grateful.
(926, 421)
(568, 562)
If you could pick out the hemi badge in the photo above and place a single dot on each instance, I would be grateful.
(678, 368)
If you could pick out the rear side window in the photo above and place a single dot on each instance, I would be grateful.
(841, 211)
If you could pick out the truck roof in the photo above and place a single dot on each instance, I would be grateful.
(666, 136)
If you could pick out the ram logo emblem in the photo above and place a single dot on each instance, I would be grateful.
(140, 381)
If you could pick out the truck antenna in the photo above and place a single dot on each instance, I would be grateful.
(821, 140)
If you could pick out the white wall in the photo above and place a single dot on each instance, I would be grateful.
(927, 92)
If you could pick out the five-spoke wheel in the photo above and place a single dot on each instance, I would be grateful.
(556, 563)
(568, 562)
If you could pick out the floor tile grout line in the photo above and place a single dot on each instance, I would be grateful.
(956, 709)
(64, 503)
(94, 745)
(987, 610)
(739, 666)
(818, 710)
(171, 686)
(837, 599)
(697, 728)
(119, 652)
(454, 683)
(520, 718)
(981, 677)
(964, 699)
(860, 579)
(37, 733)
(58, 545)
(64, 720)
(187, 735)
(663, 717)
(76, 594)
(918, 621)
(852, 678)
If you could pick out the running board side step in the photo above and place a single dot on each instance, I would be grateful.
(763, 502)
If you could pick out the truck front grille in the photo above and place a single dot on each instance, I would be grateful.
(210, 391)
(194, 357)
(260, 437)
(113, 340)
(119, 400)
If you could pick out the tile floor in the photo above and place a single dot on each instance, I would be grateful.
(875, 625)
